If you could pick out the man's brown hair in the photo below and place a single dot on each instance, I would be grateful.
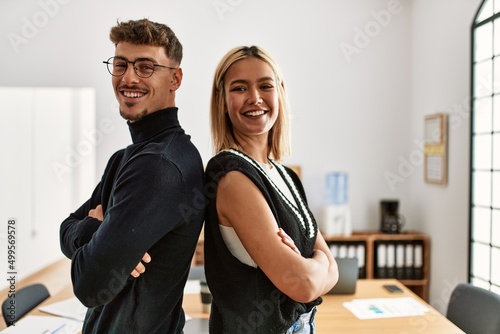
(145, 32)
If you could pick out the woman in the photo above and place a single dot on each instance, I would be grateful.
(266, 262)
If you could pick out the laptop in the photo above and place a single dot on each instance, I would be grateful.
(348, 275)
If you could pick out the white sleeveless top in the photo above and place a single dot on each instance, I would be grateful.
(230, 237)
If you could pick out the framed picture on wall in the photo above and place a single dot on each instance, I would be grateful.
(435, 148)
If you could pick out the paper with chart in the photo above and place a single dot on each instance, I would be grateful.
(39, 324)
(373, 308)
(69, 308)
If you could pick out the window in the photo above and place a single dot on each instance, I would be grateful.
(484, 263)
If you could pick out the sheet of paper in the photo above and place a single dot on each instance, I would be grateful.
(37, 324)
(374, 308)
(70, 308)
(435, 168)
(192, 287)
(433, 133)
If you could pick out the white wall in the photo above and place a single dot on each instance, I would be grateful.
(349, 113)
(46, 154)
(441, 83)
(359, 113)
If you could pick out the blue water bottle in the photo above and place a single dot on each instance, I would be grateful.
(336, 188)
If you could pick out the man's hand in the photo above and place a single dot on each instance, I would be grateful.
(97, 213)
(140, 269)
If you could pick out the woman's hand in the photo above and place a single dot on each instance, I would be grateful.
(241, 205)
(288, 241)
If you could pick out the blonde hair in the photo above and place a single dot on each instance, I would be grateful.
(220, 124)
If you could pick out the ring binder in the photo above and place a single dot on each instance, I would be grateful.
(405, 256)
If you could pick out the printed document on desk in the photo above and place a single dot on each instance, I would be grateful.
(373, 308)
(39, 324)
(69, 308)
(192, 287)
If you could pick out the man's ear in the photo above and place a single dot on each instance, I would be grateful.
(176, 79)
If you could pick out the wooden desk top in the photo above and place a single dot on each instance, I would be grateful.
(333, 317)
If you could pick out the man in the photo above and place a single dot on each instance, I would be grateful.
(132, 242)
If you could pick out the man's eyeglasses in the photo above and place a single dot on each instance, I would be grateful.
(143, 67)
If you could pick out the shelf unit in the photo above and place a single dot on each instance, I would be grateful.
(370, 239)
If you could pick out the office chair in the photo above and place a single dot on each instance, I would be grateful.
(475, 310)
(24, 300)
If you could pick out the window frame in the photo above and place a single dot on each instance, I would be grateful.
(475, 276)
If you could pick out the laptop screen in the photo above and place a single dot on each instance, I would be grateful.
(348, 275)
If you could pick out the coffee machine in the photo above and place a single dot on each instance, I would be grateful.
(392, 221)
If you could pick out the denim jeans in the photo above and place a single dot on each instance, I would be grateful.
(304, 325)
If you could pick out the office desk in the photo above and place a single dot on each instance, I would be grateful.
(333, 317)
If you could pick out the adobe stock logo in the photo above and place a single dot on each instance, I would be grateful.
(224, 6)
(372, 29)
(31, 27)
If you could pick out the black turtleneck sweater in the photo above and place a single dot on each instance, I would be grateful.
(151, 194)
